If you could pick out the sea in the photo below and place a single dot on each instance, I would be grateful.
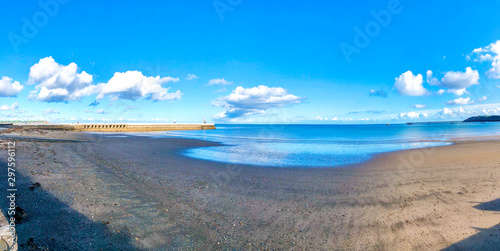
(306, 146)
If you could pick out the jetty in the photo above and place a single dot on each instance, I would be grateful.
(434, 122)
(114, 127)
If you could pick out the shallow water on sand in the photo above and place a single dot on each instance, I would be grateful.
(320, 145)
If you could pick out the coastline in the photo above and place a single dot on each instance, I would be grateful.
(141, 193)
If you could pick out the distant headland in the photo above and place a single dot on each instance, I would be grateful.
(494, 118)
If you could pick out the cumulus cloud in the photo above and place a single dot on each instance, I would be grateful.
(460, 80)
(460, 101)
(219, 81)
(9, 107)
(134, 85)
(419, 106)
(51, 111)
(490, 53)
(441, 92)
(456, 82)
(430, 79)
(62, 83)
(58, 83)
(191, 77)
(458, 92)
(245, 102)
(446, 111)
(9, 88)
(412, 115)
(378, 93)
(409, 84)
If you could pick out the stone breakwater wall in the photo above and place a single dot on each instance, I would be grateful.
(117, 127)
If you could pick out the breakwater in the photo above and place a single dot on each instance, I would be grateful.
(116, 127)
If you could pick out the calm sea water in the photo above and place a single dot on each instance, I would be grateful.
(321, 145)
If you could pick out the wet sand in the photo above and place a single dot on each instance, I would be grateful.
(140, 193)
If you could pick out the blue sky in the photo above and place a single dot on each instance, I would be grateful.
(249, 61)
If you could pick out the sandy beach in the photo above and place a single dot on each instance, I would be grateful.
(138, 193)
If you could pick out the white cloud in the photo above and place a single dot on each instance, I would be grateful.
(494, 72)
(430, 79)
(51, 111)
(456, 82)
(133, 85)
(319, 118)
(446, 111)
(191, 77)
(9, 88)
(484, 98)
(458, 113)
(9, 107)
(409, 84)
(460, 80)
(490, 53)
(171, 79)
(245, 102)
(419, 106)
(474, 110)
(412, 115)
(58, 83)
(100, 111)
(219, 81)
(458, 92)
(460, 101)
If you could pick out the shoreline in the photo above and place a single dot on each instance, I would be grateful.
(139, 193)
(452, 141)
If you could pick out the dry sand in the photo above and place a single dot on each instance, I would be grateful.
(139, 193)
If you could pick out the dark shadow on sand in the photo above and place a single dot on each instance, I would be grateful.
(51, 223)
(487, 238)
(493, 205)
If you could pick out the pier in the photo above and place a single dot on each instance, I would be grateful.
(114, 127)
